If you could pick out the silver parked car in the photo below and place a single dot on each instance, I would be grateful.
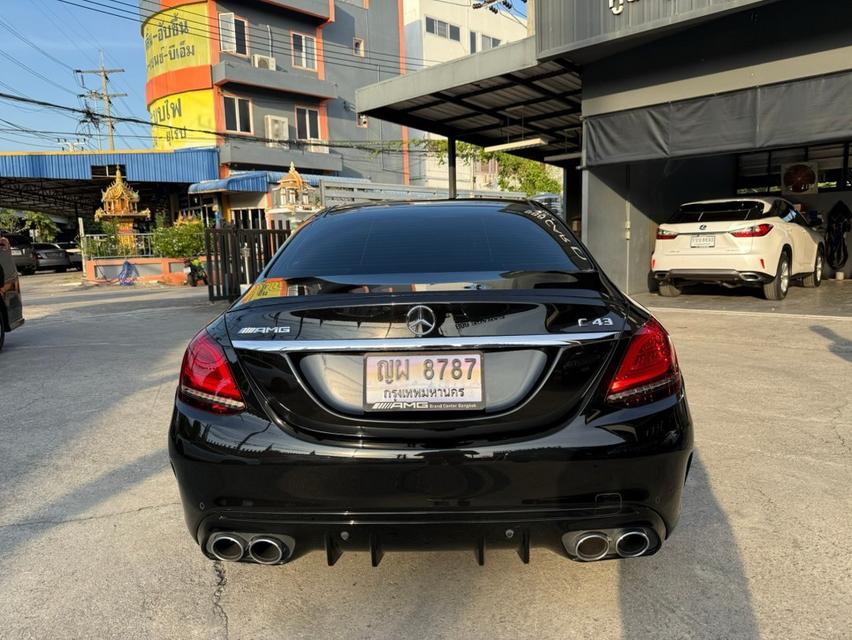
(51, 256)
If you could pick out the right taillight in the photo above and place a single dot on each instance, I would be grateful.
(757, 231)
(206, 380)
(648, 371)
(663, 234)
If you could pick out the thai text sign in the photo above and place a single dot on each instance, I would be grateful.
(177, 38)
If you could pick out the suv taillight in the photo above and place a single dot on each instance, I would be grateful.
(662, 234)
(649, 369)
(757, 231)
(206, 380)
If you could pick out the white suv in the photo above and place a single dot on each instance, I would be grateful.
(757, 241)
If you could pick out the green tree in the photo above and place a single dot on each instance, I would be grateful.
(184, 240)
(45, 229)
(514, 173)
(9, 221)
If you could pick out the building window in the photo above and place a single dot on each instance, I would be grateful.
(473, 41)
(358, 47)
(232, 34)
(489, 43)
(304, 51)
(308, 128)
(362, 121)
(443, 29)
(237, 114)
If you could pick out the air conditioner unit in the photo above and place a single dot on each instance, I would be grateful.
(277, 131)
(263, 62)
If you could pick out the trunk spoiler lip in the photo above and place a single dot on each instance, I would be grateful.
(419, 344)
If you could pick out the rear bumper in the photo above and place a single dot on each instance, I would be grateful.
(585, 476)
(713, 275)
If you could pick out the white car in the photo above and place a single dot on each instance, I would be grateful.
(741, 241)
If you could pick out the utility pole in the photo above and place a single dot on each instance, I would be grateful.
(104, 96)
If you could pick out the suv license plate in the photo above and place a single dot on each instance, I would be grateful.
(445, 381)
(702, 242)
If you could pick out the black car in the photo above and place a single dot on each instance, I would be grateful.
(11, 309)
(23, 252)
(409, 375)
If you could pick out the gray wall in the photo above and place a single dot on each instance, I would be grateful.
(779, 42)
(564, 26)
(645, 194)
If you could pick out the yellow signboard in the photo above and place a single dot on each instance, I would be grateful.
(177, 38)
(184, 118)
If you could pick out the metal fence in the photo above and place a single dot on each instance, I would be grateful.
(111, 245)
(236, 257)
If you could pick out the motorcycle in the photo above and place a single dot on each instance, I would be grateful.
(195, 272)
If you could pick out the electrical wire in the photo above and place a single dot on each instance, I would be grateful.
(362, 145)
(333, 59)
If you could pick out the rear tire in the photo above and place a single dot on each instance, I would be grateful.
(669, 290)
(813, 280)
(61, 269)
(776, 289)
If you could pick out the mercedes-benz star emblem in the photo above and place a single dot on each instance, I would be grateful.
(703, 227)
(421, 320)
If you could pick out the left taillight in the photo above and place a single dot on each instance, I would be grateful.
(648, 371)
(206, 380)
(757, 231)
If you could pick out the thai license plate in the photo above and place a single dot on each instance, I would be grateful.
(423, 382)
(702, 242)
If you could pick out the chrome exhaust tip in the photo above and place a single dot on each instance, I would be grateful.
(225, 546)
(632, 544)
(267, 550)
(591, 546)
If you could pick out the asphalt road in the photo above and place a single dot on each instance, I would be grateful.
(93, 545)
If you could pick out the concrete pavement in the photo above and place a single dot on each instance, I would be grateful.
(92, 541)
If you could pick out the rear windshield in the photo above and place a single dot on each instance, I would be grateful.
(732, 211)
(417, 239)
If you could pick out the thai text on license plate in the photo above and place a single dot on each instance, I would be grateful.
(702, 242)
(445, 381)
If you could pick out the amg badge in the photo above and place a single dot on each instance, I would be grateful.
(264, 330)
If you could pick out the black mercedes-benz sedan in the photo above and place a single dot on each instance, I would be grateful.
(455, 374)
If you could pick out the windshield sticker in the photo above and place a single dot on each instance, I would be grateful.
(271, 288)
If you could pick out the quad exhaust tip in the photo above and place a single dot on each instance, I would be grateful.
(632, 544)
(592, 546)
(267, 550)
(227, 547)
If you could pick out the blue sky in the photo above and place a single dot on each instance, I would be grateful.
(74, 36)
(63, 37)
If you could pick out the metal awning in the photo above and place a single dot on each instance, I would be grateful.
(494, 97)
(69, 184)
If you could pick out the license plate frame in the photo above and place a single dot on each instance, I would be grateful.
(472, 399)
(702, 242)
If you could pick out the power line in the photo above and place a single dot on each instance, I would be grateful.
(34, 72)
(342, 144)
(355, 62)
(26, 40)
(391, 56)
(105, 96)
